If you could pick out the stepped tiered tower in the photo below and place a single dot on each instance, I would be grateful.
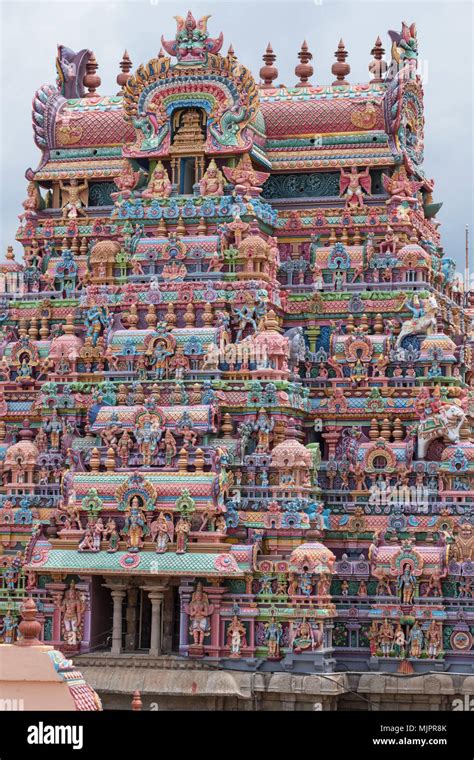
(236, 370)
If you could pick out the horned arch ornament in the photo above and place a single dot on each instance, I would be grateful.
(221, 87)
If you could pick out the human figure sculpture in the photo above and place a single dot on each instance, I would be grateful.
(72, 609)
(434, 587)
(434, 639)
(399, 641)
(303, 637)
(212, 183)
(383, 586)
(127, 180)
(183, 528)
(390, 242)
(199, 611)
(373, 637)
(246, 180)
(406, 585)
(8, 627)
(159, 185)
(385, 637)
(273, 635)
(76, 198)
(236, 637)
(170, 447)
(353, 183)
(135, 527)
(111, 534)
(164, 530)
(32, 202)
(400, 188)
(415, 640)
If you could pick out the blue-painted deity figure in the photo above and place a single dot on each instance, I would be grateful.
(96, 320)
(306, 584)
(407, 585)
(7, 630)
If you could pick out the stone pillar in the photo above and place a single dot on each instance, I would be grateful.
(185, 591)
(56, 590)
(155, 595)
(156, 599)
(131, 616)
(118, 595)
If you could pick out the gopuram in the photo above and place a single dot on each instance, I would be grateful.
(236, 369)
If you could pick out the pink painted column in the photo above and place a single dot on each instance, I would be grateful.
(215, 598)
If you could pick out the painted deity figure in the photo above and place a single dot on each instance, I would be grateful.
(415, 640)
(169, 443)
(8, 627)
(124, 446)
(407, 585)
(383, 586)
(353, 183)
(183, 527)
(246, 180)
(160, 360)
(263, 427)
(164, 533)
(159, 185)
(373, 637)
(434, 639)
(111, 534)
(273, 636)
(199, 611)
(303, 637)
(32, 203)
(399, 641)
(72, 609)
(386, 635)
(135, 527)
(212, 182)
(76, 198)
(236, 637)
(400, 188)
(128, 178)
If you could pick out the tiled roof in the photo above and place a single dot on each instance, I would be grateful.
(142, 563)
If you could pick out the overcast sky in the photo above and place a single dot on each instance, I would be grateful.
(30, 32)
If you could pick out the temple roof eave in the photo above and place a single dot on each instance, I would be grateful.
(143, 563)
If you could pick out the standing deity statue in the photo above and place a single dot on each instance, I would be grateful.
(236, 637)
(135, 527)
(385, 637)
(163, 533)
(199, 611)
(406, 585)
(8, 627)
(72, 608)
(399, 641)
(183, 527)
(434, 639)
(273, 636)
(415, 640)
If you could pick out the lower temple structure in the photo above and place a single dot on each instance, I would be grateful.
(236, 381)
